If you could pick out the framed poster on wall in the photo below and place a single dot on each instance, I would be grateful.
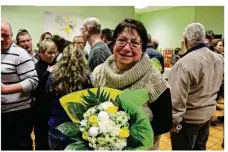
(64, 24)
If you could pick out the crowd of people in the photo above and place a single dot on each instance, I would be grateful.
(34, 80)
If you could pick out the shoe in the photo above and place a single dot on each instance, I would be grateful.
(221, 118)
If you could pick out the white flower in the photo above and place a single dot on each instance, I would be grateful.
(93, 131)
(94, 146)
(107, 126)
(119, 144)
(84, 123)
(91, 111)
(103, 115)
(90, 145)
(106, 104)
(122, 118)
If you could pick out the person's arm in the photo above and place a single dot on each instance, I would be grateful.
(11, 88)
(180, 81)
(162, 113)
(27, 73)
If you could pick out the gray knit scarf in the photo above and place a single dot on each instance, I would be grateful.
(142, 75)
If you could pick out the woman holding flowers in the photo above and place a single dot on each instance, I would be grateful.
(69, 75)
(130, 67)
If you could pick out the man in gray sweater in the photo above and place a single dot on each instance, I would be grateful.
(18, 79)
(99, 50)
(195, 81)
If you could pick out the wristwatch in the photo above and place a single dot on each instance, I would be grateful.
(178, 127)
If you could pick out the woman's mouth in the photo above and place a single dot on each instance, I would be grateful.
(125, 55)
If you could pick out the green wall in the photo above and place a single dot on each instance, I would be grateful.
(211, 17)
(31, 17)
(168, 25)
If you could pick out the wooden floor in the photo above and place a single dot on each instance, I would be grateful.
(215, 135)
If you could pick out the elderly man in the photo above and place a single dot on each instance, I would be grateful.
(99, 50)
(24, 40)
(79, 41)
(195, 81)
(18, 79)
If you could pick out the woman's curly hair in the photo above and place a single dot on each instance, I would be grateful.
(71, 72)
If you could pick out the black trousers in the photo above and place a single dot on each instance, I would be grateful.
(16, 130)
(191, 136)
(40, 123)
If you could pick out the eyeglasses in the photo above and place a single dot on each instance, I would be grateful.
(123, 42)
(78, 42)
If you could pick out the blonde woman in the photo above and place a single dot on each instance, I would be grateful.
(69, 75)
(46, 54)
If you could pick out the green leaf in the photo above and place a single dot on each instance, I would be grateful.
(92, 94)
(141, 133)
(79, 145)
(91, 102)
(77, 109)
(95, 99)
(103, 97)
(69, 129)
(98, 92)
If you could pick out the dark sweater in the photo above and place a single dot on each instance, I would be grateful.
(98, 54)
(42, 104)
(162, 119)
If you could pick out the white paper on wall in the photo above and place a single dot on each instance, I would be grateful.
(64, 24)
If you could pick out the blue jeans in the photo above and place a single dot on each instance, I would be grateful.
(191, 136)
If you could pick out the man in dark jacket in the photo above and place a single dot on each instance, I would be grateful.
(106, 36)
(152, 53)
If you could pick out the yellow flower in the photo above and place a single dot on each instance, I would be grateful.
(112, 109)
(93, 120)
(85, 135)
(101, 141)
(124, 133)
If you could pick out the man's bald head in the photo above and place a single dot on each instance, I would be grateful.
(6, 35)
(5, 23)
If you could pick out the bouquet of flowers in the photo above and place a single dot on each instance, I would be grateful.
(101, 123)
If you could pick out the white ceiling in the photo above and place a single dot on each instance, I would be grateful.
(151, 8)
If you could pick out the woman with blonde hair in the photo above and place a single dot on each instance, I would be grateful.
(69, 75)
(46, 54)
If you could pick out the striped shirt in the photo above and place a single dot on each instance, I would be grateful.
(17, 66)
